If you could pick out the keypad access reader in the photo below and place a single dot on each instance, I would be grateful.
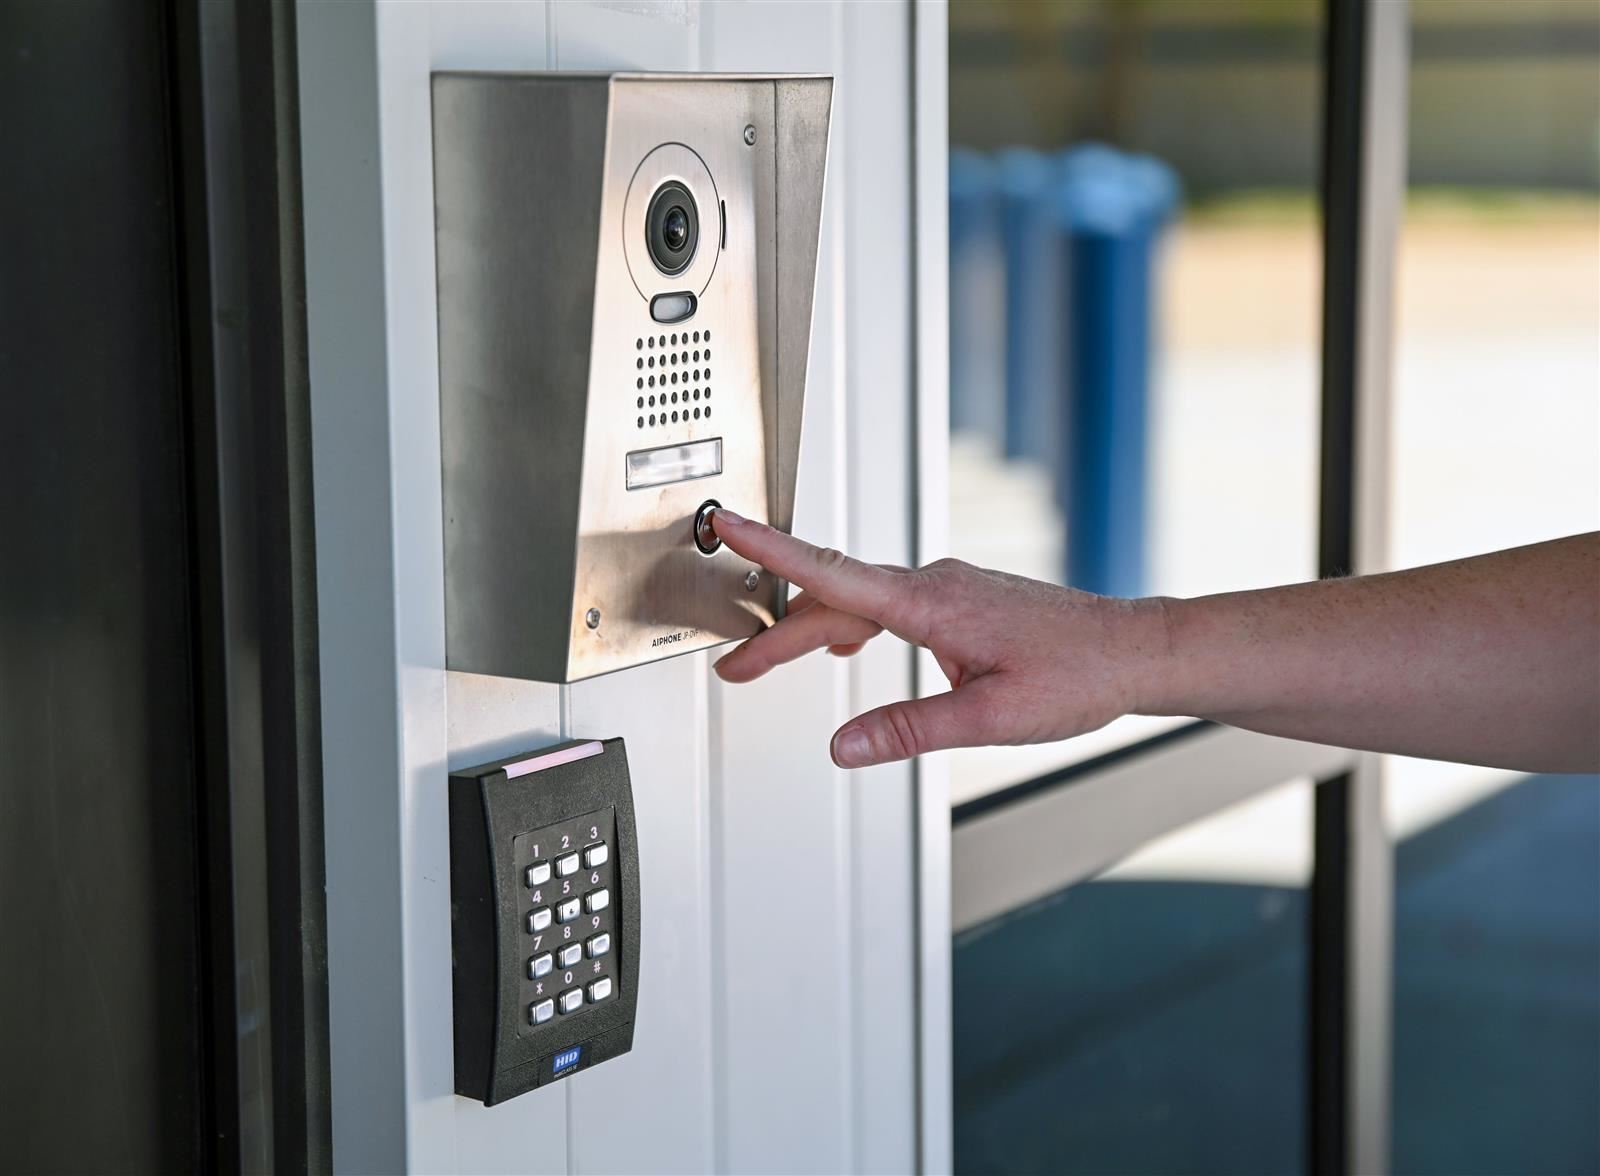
(544, 884)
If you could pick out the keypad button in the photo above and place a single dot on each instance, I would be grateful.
(540, 965)
(599, 989)
(536, 875)
(571, 1000)
(567, 865)
(597, 900)
(599, 945)
(539, 919)
(541, 1012)
(596, 855)
(566, 912)
(570, 955)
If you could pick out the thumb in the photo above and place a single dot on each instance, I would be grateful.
(904, 729)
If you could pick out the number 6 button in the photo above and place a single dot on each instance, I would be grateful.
(597, 900)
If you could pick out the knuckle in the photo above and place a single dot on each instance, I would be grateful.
(898, 736)
(831, 559)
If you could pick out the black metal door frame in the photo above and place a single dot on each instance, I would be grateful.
(235, 158)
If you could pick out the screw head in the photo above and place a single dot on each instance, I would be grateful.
(749, 135)
(751, 580)
(592, 618)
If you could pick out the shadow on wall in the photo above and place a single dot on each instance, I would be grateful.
(1148, 1026)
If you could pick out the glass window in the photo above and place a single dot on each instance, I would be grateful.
(1497, 443)
(1152, 1019)
(1497, 977)
(1135, 303)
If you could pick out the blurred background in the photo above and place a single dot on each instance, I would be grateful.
(1136, 310)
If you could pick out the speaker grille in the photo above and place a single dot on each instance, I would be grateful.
(672, 384)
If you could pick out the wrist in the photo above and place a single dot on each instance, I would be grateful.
(1151, 653)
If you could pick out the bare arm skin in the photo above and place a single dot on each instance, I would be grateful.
(1493, 660)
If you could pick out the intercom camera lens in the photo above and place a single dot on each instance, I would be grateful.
(675, 229)
(672, 228)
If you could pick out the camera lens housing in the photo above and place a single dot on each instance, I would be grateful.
(672, 228)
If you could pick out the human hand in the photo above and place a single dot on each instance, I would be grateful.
(1027, 662)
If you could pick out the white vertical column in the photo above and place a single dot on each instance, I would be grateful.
(873, 146)
(930, 98)
(775, 1017)
(342, 189)
(781, 812)
(652, 1111)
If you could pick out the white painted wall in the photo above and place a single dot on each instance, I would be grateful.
(777, 1021)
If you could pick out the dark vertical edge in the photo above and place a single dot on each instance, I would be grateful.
(253, 605)
(1343, 157)
(296, 874)
(1329, 989)
(1343, 169)
(217, 1124)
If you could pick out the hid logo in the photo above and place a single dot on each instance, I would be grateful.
(567, 1059)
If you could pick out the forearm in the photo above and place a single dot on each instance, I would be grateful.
(1492, 660)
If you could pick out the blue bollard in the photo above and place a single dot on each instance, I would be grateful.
(1032, 234)
(977, 358)
(1112, 208)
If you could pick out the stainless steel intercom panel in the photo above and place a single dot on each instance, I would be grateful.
(626, 267)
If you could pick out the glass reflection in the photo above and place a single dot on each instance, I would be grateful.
(1497, 443)
(1497, 975)
(1135, 303)
(1150, 1020)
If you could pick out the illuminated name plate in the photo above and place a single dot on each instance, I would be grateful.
(674, 463)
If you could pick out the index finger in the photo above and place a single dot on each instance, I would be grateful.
(831, 576)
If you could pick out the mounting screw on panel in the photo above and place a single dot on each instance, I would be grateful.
(749, 135)
(592, 618)
(751, 579)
